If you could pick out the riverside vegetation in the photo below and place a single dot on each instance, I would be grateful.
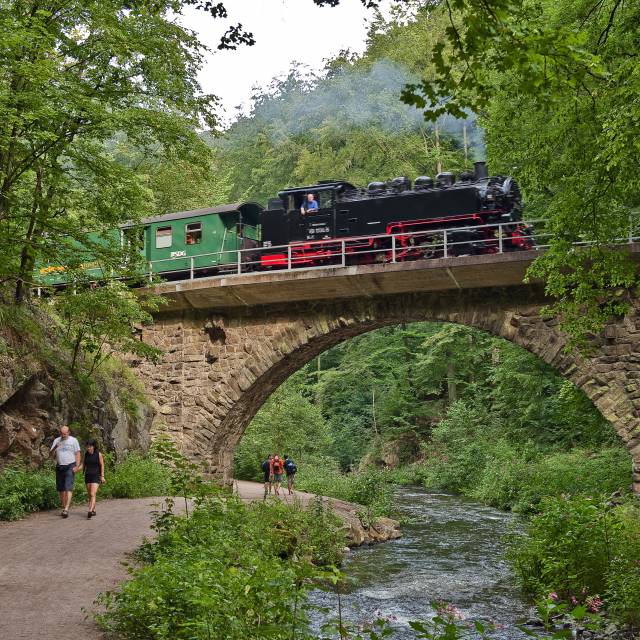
(455, 409)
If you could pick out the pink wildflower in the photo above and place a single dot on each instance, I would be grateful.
(553, 596)
(593, 603)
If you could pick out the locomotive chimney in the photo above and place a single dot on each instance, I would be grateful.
(481, 170)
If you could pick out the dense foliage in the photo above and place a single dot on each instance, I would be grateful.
(228, 571)
(466, 411)
(583, 551)
(23, 491)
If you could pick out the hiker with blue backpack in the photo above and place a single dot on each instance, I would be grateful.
(290, 469)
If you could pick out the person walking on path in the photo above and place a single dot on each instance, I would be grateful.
(267, 470)
(290, 469)
(277, 473)
(66, 449)
(93, 465)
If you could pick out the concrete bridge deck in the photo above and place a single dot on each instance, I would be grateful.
(337, 282)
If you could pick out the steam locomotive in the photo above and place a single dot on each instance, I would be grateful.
(384, 222)
(417, 216)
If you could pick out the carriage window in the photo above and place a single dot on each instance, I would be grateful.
(163, 237)
(193, 233)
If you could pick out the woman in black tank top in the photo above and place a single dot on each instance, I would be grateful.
(93, 465)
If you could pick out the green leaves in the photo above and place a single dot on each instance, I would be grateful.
(100, 322)
(73, 80)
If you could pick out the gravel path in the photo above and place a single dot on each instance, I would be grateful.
(51, 569)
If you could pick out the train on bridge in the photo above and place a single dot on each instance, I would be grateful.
(330, 223)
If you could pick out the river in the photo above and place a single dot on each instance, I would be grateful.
(451, 550)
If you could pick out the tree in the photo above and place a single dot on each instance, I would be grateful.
(557, 85)
(97, 323)
(74, 76)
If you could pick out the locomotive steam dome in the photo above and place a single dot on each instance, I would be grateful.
(376, 187)
(399, 184)
(422, 183)
(445, 179)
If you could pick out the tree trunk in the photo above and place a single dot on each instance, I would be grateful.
(26, 255)
(452, 390)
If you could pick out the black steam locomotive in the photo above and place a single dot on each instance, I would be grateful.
(361, 221)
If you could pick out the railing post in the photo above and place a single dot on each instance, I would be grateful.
(191, 268)
(630, 228)
(289, 257)
(500, 238)
(445, 245)
(239, 254)
(393, 248)
(150, 271)
(343, 253)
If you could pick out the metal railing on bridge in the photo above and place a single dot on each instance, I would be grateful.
(385, 248)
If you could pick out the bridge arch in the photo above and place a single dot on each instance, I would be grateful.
(220, 367)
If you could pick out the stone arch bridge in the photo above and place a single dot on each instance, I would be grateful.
(229, 342)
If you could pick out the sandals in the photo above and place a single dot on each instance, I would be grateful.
(65, 513)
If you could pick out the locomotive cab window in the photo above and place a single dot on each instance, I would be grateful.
(163, 237)
(325, 199)
(193, 233)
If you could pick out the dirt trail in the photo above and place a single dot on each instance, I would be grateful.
(51, 568)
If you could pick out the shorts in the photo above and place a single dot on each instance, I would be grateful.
(290, 477)
(277, 477)
(92, 478)
(65, 477)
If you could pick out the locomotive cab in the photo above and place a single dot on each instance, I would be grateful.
(289, 222)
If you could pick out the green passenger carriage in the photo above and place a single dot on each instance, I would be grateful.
(178, 245)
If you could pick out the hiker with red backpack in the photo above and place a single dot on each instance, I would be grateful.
(278, 467)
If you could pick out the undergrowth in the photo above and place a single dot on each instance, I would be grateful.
(23, 490)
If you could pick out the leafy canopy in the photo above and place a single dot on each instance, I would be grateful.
(557, 85)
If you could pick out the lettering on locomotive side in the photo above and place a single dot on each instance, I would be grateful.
(318, 230)
(178, 254)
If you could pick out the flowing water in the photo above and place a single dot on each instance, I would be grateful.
(451, 550)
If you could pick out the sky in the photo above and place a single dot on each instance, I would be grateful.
(285, 31)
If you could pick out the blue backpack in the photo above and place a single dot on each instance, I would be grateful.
(290, 467)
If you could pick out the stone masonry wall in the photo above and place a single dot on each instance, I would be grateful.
(219, 369)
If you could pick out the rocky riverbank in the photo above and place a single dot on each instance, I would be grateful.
(358, 534)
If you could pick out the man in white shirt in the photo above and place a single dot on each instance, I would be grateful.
(67, 452)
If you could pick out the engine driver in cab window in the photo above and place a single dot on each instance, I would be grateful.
(309, 205)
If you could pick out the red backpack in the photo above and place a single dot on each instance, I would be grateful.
(277, 465)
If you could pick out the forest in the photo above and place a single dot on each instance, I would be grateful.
(102, 121)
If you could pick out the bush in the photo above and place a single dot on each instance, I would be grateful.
(229, 571)
(579, 547)
(136, 477)
(572, 473)
(517, 477)
(23, 490)
(370, 488)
